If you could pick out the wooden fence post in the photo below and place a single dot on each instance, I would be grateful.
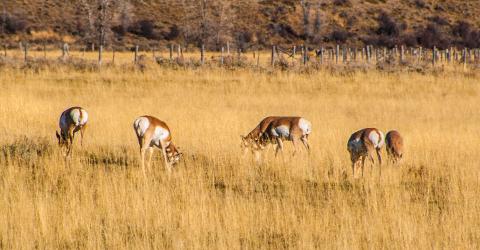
(402, 54)
(464, 58)
(135, 54)
(64, 51)
(202, 54)
(258, 58)
(171, 52)
(434, 56)
(221, 56)
(305, 54)
(25, 48)
(337, 52)
(294, 53)
(369, 53)
(44, 50)
(273, 56)
(100, 51)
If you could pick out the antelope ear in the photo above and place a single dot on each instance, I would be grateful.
(58, 136)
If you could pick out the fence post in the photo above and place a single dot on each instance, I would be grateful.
(402, 54)
(464, 58)
(369, 53)
(305, 54)
(170, 50)
(44, 50)
(434, 56)
(221, 56)
(228, 48)
(25, 48)
(258, 58)
(202, 54)
(273, 56)
(344, 54)
(135, 55)
(337, 52)
(100, 50)
(64, 50)
(294, 51)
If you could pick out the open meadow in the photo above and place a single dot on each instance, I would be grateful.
(218, 199)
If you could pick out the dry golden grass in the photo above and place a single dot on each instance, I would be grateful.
(217, 199)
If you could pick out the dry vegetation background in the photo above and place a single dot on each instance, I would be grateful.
(217, 199)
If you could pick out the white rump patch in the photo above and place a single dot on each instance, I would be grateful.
(75, 115)
(382, 139)
(84, 119)
(141, 125)
(305, 126)
(376, 139)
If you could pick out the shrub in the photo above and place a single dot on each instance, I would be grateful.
(340, 36)
(13, 24)
(432, 36)
(144, 28)
(387, 26)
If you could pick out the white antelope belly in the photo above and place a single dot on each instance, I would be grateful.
(281, 131)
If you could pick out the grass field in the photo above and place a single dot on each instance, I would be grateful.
(217, 199)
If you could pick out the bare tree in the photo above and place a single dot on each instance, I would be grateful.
(306, 5)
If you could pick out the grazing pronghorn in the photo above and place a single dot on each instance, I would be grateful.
(364, 143)
(275, 129)
(394, 145)
(71, 121)
(151, 132)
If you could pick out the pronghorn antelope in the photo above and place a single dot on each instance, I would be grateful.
(394, 145)
(274, 130)
(151, 132)
(364, 143)
(71, 121)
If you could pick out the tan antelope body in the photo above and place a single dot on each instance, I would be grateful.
(71, 120)
(276, 129)
(394, 145)
(363, 143)
(152, 132)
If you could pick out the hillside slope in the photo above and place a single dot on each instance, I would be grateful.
(248, 23)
